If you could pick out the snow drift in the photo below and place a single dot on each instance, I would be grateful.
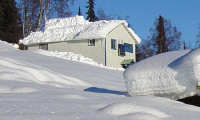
(74, 57)
(173, 75)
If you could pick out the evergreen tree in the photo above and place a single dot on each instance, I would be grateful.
(11, 27)
(164, 37)
(91, 14)
(184, 45)
(197, 43)
(1, 18)
(161, 38)
(79, 11)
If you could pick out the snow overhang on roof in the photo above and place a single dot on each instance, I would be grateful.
(75, 28)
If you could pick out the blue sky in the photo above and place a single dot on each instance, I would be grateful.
(184, 14)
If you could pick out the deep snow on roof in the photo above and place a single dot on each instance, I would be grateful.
(75, 28)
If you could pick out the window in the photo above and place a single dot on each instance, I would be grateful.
(121, 51)
(113, 44)
(43, 46)
(128, 47)
(91, 42)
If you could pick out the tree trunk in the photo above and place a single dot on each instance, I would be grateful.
(40, 15)
(47, 2)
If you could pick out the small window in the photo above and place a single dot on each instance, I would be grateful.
(128, 47)
(91, 42)
(121, 51)
(43, 46)
(113, 44)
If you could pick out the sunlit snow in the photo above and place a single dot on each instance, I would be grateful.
(38, 87)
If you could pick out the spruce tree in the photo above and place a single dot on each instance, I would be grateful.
(197, 42)
(79, 11)
(91, 14)
(164, 37)
(161, 38)
(11, 27)
(1, 19)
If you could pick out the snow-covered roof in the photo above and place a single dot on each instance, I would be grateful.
(75, 28)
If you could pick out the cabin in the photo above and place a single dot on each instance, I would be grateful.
(111, 43)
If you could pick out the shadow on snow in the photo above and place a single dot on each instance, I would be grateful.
(103, 90)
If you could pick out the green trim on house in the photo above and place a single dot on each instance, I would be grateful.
(127, 61)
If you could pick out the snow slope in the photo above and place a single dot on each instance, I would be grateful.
(173, 75)
(38, 87)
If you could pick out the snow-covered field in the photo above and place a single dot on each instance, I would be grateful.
(38, 87)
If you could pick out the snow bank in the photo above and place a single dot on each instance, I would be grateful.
(74, 57)
(74, 28)
(132, 109)
(10, 44)
(173, 75)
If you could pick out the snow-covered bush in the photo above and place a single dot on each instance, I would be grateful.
(173, 75)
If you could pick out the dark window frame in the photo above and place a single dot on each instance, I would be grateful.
(91, 42)
(113, 44)
(121, 50)
(43, 46)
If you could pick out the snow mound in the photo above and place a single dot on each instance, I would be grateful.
(140, 116)
(127, 109)
(74, 57)
(173, 75)
(74, 28)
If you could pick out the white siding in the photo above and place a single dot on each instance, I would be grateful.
(97, 52)
(33, 47)
(122, 36)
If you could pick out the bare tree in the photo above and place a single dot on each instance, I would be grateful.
(40, 15)
(36, 12)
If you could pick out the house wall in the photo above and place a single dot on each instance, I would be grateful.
(33, 47)
(121, 35)
(97, 52)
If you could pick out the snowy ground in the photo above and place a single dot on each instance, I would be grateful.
(38, 87)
